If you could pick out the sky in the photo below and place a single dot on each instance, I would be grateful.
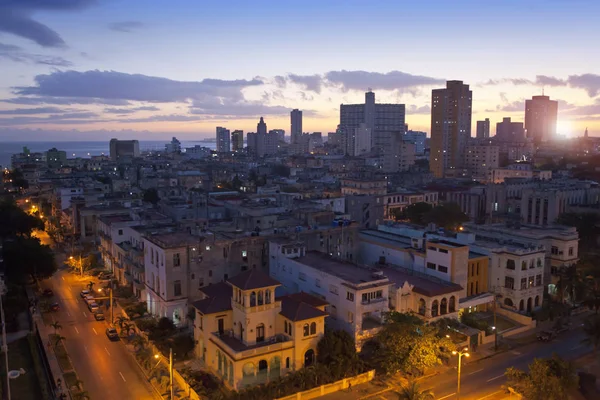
(96, 69)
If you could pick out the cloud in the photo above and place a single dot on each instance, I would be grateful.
(64, 101)
(161, 118)
(309, 82)
(588, 82)
(130, 110)
(125, 26)
(136, 87)
(242, 109)
(589, 109)
(361, 80)
(30, 111)
(426, 109)
(15, 18)
(543, 80)
(514, 106)
(280, 81)
(64, 118)
(16, 54)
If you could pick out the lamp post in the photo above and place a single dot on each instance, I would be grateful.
(462, 353)
(110, 302)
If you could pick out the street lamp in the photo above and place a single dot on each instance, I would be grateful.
(79, 263)
(157, 357)
(462, 353)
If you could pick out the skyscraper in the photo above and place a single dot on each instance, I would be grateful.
(385, 123)
(296, 125)
(483, 129)
(450, 127)
(123, 149)
(223, 140)
(261, 127)
(540, 118)
(508, 131)
(237, 140)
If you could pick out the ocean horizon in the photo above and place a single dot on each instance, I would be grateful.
(85, 149)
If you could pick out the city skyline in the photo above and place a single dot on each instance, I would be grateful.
(85, 70)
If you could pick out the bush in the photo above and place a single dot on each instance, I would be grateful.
(470, 319)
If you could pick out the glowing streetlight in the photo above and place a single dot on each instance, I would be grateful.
(462, 353)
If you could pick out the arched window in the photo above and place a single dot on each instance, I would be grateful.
(268, 297)
(422, 306)
(252, 299)
(508, 302)
(309, 358)
(290, 328)
(260, 333)
(285, 329)
(260, 298)
(313, 328)
(248, 369)
(537, 301)
(444, 306)
(306, 330)
(521, 305)
(452, 304)
(434, 308)
(523, 265)
(287, 362)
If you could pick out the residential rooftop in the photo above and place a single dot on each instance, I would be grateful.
(423, 284)
(173, 239)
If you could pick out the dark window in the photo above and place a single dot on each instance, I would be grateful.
(538, 280)
(177, 288)
(176, 260)
(443, 269)
(509, 282)
(443, 251)
(221, 325)
(260, 333)
(120, 231)
(431, 265)
(510, 264)
(306, 330)
(313, 328)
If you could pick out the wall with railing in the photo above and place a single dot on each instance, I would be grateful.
(332, 387)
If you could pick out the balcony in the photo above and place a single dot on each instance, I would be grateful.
(239, 350)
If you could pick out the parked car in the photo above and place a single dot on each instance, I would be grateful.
(105, 276)
(54, 307)
(84, 293)
(93, 307)
(48, 292)
(99, 316)
(545, 336)
(89, 299)
(111, 333)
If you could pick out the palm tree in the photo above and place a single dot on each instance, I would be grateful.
(59, 339)
(569, 283)
(57, 326)
(138, 342)
(126, 327)
(121, 320)
(91, 286)
(412, 391)
(591, 327)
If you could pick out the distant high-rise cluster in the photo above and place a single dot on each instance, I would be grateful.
(262, 143)
(223, 140)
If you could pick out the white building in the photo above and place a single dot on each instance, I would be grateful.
(357, 296)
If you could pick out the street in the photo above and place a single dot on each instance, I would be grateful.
(106, 368)
(484, 379)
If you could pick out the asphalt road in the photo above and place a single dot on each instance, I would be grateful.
(107, 370)
(483, 379)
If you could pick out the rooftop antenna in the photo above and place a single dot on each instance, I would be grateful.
(542, 90)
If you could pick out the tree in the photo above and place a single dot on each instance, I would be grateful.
(57, 326)
(586, 224)
(121, 321)
(182, 345)
(448, 216)
(337, 350)
(403, 318)
(412, 391)
(547, 379)
(138, 342)
(591, 327)
(26, 258)
(58, 339)
(137, 309)
(570, 283)
(90, 286)
(416, 212)
(151, 196)
(236, 183)
(14, 222)
(410, 347)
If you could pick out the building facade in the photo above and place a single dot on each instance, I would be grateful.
(540, 118)
(237, 141)
(223, 140)
(483, 129)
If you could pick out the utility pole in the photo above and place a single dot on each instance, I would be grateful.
(5, 347)
(170, 373)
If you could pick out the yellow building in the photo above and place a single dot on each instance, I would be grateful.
(246, 336)
(477, 277)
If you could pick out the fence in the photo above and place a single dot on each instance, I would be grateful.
(332, 387)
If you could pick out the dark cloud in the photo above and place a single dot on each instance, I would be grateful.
(125, 26)
(280, 81)
(16, 54)
(30, 111)
(136, 87)
(64, 101)
(309, 82)
(130, 110)
(16, 19)
(393, 80)
(426, 109)
(588, 82)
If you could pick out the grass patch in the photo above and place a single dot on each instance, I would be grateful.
(27, 385)
(39, 368)
(61, 354)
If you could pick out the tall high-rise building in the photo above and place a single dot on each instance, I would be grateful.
(540, 118)
(280, 134)
(385, 122)
(450, 126)
(120, 149)
(237, 140)
(296, 125)
(223, 140)
(483, 129)
(508, 131)
(261, 127)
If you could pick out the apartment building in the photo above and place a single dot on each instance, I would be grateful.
(363, 186)
(247, 336)
(357, 296)
(481, 160)
(400, 200)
